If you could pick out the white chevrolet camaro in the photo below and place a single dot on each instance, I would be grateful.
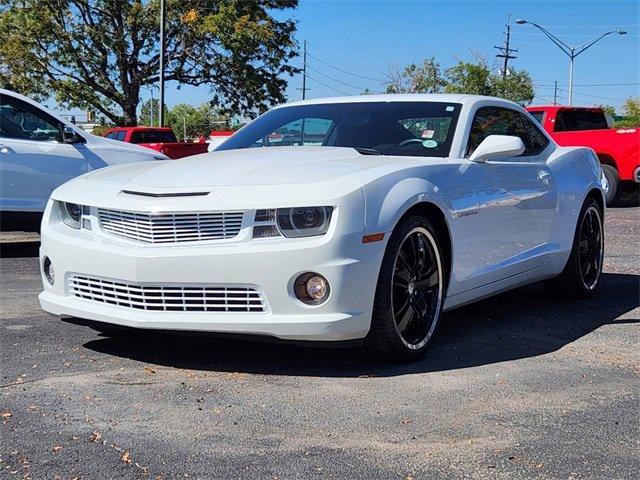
(334, 219)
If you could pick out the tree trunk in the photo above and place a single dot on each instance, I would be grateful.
(129, 114)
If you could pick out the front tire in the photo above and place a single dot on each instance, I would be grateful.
(409, 294)
(581, 275)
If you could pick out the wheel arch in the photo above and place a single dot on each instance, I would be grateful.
(607, 159)
(435, 214)
(598, 196)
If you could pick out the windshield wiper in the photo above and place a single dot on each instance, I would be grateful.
(367, 151)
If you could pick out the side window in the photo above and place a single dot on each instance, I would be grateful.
(21, 120)
(110, 135)
(120, 136)
(503, 121)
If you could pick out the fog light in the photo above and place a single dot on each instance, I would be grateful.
(49, 272)
(311, 288)
(316, 287)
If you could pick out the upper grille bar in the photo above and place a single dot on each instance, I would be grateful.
(171, 227)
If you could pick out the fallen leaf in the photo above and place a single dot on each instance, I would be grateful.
(56, 448)
(95, 437)
(6, 415)
(126, 457)
(149, 370)
(406, 420)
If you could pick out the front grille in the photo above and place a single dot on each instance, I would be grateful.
(170, 227)
(168, 298)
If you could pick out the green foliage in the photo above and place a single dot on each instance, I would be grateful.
(474, 78)
(197, 120)
(97, 54)
(608, 109)
(631, 114)
(100, 130)
(425, 78)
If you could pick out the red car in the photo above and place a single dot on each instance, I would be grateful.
(161, 139)
(617, 148)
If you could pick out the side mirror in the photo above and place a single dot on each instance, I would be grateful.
(69, 135)
(497, 146)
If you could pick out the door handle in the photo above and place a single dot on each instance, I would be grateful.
(544, 177)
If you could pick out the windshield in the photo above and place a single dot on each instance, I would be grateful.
(422, 129)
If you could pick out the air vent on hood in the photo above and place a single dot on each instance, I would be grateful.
(164, 195)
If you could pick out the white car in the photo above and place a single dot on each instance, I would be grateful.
(40, 150)
(412, 205)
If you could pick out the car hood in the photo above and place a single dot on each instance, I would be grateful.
(248, 178)
(259, 166)
(118, 146)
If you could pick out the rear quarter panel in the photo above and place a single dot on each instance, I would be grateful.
(576, 171)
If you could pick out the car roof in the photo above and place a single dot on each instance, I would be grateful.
(405, 97)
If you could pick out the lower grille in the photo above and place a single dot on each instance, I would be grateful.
(169, 298)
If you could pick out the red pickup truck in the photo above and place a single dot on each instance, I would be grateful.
(617, 148)
(161, 139)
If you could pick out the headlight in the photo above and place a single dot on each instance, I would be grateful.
(74, 215)
(292, 222)
(71, 214)
(304, 221)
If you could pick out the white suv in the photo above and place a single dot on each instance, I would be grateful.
(39, 151)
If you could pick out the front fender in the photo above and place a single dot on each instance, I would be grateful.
(385, 206)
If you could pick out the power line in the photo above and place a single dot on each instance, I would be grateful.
(591, 84)
(345, 71)
(328, 86)
(334, 79)
(349, 62)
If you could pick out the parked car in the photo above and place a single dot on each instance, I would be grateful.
(40, 150)
(412, 205)
(216, 137)
(160, 139)
(618, 149)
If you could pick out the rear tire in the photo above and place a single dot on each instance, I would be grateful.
(409, 294)
(581, 275)
(612, 190)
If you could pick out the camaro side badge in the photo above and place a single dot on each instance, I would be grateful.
(466, 212)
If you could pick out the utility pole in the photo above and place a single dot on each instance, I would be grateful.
(555, 92)
(304, 72)
(506, 51)
(163, 8)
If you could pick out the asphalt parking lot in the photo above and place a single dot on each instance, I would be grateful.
(517, 386)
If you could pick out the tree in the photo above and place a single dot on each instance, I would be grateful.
(425, 78)
(196, 120)
(97, 54)
(474, 78)
(631, 113)
(631, 109)
(149, 112)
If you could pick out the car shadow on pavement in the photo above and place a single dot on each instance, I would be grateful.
(519, 324)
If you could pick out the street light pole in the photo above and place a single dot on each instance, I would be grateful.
(571, 51)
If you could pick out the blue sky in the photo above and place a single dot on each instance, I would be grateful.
(349, 40)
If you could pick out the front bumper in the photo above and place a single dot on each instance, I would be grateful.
(269, 265)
